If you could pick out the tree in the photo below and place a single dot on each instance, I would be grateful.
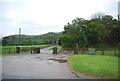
(110, 29)
(95, 33)
(75, 30)
(97, 15)
(99, 30)
(66, 41)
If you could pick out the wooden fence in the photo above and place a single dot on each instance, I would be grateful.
(8, 50)
(99, 51)
(12, 50)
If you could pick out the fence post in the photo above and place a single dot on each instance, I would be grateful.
(36, 50)
(31, 50)
(75, 50)
(102, 51)
(17, 49)
(9, 50)
(115, 52)
(82, 51)
(55, 50)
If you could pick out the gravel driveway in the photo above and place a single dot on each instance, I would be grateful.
(37, 66)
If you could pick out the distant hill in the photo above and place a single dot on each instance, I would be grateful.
(48, 38)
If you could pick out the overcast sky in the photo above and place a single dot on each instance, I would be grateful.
(36, 17)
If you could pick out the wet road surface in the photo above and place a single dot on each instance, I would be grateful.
(37, 66)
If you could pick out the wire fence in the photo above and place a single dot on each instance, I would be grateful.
(13, 50)
(98, 51)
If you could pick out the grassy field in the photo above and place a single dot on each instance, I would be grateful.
(25, 46)
(106, 52)
(12, 49)
(97, 65)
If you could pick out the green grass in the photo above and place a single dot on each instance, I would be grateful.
(5, 49)
(97, 65)
(25, 46)
(8, 54)
(53, 47)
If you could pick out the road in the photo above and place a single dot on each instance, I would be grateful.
(37, 66)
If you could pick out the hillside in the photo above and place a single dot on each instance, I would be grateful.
(48, 38)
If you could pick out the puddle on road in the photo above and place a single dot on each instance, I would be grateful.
(59, 60)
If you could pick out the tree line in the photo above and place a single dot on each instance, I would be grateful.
(100, 31)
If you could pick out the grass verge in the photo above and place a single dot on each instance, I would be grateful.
(96, 65)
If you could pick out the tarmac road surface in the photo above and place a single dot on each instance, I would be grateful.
(37, 66)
